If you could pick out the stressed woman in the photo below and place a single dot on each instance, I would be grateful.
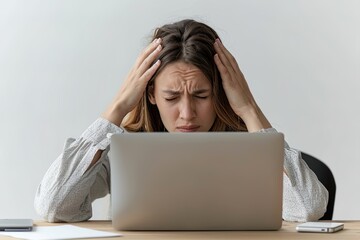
(184, 81)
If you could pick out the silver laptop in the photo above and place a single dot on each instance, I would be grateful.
(197, 181)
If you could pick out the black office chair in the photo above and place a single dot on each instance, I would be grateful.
(326, 177)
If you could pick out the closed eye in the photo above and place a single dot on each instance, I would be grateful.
(202, 97)
(170, 99)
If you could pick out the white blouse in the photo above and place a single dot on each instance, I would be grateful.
(68, 190)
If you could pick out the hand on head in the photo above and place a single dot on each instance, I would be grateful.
(237, 90)
(192, 43)
(135, 83)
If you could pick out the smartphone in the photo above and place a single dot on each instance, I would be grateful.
(16, 225)
(324, 227)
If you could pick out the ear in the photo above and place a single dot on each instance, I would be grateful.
(151, 94)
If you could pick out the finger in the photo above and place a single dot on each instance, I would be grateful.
(223, 57)
(147, 51)
(151, 71)
(229, 56)
(145, 65)
(224, 72)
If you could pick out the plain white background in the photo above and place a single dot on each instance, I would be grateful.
(61, 63)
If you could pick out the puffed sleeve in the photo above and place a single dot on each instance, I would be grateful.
(304, 197)
(68, 188)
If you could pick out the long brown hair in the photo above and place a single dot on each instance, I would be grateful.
(191, 42)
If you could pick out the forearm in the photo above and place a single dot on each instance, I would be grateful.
(74, 180)
(64, 193)
(305, 198)
(115, 113)
(254, 118)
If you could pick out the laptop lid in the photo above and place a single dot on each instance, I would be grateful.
(197, 181)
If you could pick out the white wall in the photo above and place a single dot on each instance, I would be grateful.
(61, 62)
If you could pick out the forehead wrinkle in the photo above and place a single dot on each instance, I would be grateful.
(187, 74)
(181, 76)
(193, 84)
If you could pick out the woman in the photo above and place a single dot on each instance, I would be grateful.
(184, 81)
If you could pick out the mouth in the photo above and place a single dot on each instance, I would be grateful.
(191, 128)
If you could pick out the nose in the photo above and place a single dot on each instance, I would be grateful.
(187, 109)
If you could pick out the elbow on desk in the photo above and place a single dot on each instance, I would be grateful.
(307, 215)
(312, 210)
(54, 210)
(55, 214)
(312, 215)
(318, 206)
(45, 208)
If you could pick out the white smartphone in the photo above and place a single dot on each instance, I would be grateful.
(324, 227)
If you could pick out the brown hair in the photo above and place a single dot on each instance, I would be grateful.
(191, 42)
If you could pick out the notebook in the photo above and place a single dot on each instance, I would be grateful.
(197, 181)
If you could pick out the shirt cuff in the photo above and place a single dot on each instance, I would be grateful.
(268, 130)
(97, 131)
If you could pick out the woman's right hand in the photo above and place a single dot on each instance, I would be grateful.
(135, 84)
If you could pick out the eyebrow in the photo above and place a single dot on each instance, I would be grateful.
(174, 92)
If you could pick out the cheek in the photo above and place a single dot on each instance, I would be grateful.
(207, 109)
(209, 105)
(166, 110)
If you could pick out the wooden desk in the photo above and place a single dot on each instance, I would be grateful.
(351, 231)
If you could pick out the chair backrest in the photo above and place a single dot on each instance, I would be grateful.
(326, 177)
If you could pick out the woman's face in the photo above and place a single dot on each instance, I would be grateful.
(183, 96)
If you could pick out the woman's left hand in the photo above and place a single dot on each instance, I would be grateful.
(237, 90)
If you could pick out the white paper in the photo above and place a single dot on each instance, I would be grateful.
(60, 232)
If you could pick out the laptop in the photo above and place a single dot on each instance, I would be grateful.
(197, 181)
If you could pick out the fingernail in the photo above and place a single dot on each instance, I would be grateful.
(158, 40)
(158, 48)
